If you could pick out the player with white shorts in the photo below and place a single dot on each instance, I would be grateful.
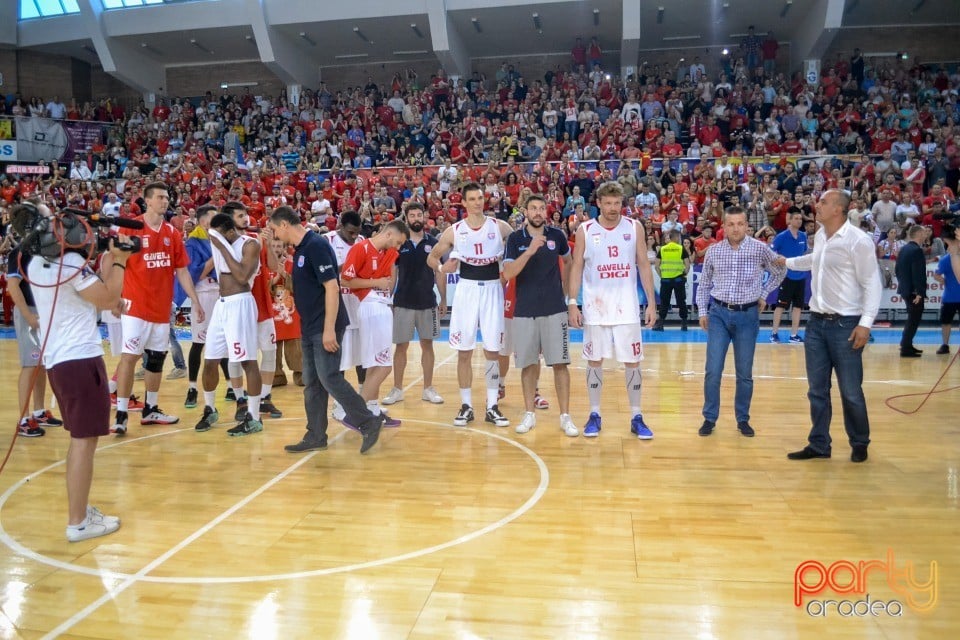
(608, 253)
(369, 273)
(476, 246)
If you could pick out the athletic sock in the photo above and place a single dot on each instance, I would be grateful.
(633, 379)
(492, 375)
(123, 404)
(265, 390)
(210, 398)
(192, 386)
(151, 398)
(594, 387)
(239, 393)
(253, 407)
(466, 397)
(112, 385)
(374, 407)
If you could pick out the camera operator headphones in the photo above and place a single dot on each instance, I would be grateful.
(51, 237)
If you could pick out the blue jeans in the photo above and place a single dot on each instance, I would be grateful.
(828, 348)
(741, 328)
(322, 378)
(571, 127)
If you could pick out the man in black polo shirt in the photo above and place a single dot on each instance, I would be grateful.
(415, 306)
(540, 322)
(316, 293)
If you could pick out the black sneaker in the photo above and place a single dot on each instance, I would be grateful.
(944, 349)
(746, 429)
(230, 397)
(191, 401)
(28, 429)
(306, 445)
(210, 418)
(496, 418)
(267, 408)
(241, 412)
(707, 427)
(246, 427)
(465, 416)
(48, 419)
(119, 427)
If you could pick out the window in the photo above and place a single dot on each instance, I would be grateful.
(30, 9)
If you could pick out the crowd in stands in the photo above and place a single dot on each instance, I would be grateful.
(683, 141)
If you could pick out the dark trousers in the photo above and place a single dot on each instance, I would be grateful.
(828, 349)
(670, 287)
(914, 313)
(322, 378)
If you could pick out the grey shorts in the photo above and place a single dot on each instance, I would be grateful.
(425, 321)
(28, 340)
(549, 335)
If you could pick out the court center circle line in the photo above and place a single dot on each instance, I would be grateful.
(544, 482)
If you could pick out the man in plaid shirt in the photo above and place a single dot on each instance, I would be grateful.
(731, 293)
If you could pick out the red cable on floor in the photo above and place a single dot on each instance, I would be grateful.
(926, 395)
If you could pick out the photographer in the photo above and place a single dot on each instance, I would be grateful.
(73, 357)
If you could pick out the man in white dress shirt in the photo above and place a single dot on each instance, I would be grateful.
(845, 299)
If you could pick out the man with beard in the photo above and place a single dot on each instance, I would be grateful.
(415, 307)
(541, 322)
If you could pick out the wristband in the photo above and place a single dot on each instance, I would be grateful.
(571, 301)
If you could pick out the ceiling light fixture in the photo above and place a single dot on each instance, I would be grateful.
(416, 29)
(660, 11)
(476, 25)
(678, 38)
(786, 9)
(596, 17)
(307, 39)
(412, 52)
(536, 22)
(348, 56)
(360, 35)
(194, 42)
(151, 49)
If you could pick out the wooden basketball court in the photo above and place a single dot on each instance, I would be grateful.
(443, 532)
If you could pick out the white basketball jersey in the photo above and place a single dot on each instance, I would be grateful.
(220, 263)
(478, 247)
(610, 273)
(350, 302)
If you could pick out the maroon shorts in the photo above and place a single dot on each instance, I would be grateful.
(84, 397)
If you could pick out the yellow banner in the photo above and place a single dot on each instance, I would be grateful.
(6, 129)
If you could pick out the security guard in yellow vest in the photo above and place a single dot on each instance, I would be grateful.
(672, 264)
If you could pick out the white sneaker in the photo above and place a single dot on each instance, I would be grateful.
(566, 423)
(92, 528)
(177, 373)
(430, 395)
(529, 422)
(395, 396)
(95, 515)
(338, 412)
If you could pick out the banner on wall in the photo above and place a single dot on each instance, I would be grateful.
(8, 150)
(46, 140)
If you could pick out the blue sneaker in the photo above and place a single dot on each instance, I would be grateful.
(796, 339)
(592, 428)
(774, 338)
(640, 429)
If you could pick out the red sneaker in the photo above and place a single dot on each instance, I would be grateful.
(133, 406)
(28, 428)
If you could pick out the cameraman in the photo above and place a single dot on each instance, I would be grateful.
(73, 358)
